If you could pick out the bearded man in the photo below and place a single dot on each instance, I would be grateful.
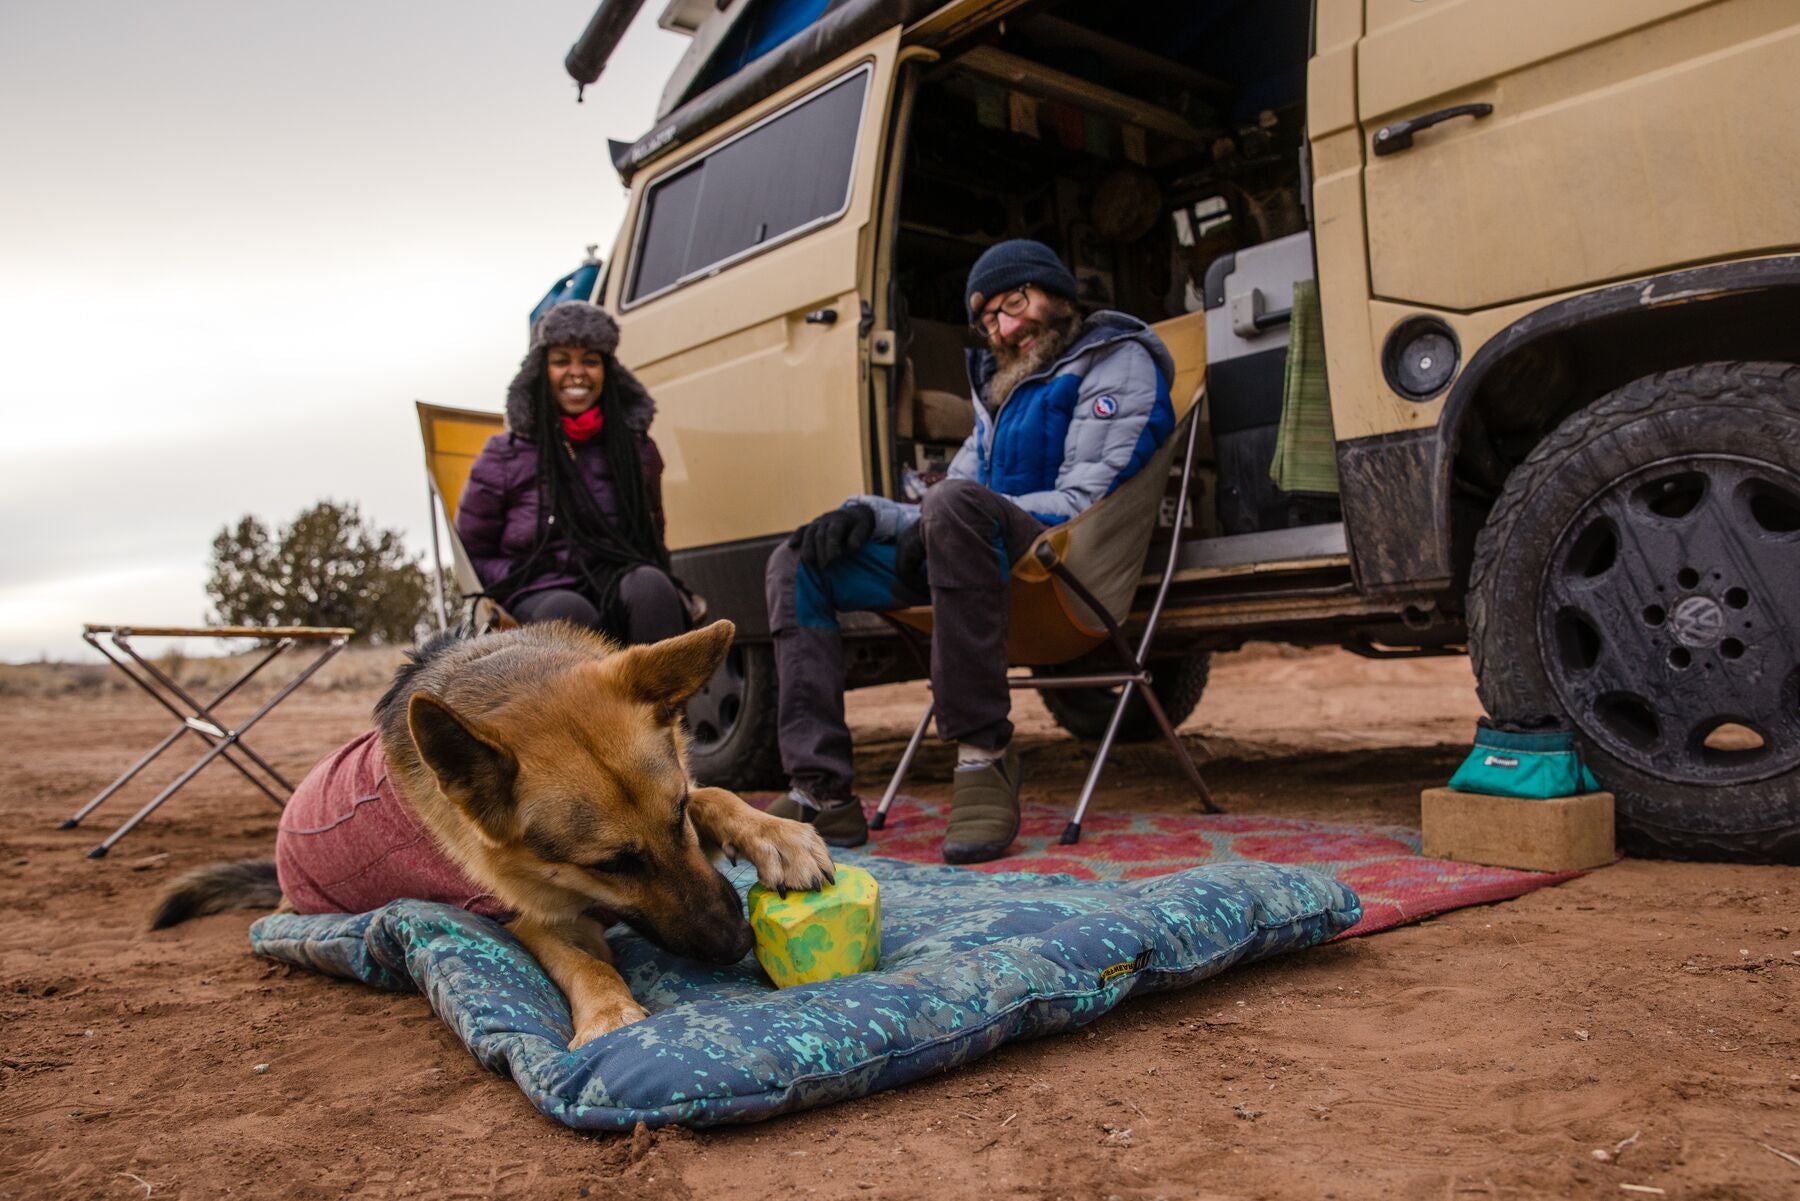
(1066, 410)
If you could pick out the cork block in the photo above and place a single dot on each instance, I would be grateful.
(1560, 835)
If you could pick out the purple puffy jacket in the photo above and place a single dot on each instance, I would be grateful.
(497, 518)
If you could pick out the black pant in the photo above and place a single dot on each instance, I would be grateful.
(652, 604)
(972, 537)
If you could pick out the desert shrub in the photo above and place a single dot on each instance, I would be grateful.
(327, 567)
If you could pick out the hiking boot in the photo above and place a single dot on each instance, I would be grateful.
(984, 810)
(840, 823)
(790, 806)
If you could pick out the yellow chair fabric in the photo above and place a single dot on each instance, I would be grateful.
(452, 438)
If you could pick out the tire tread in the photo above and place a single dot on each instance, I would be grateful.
(1760, 383)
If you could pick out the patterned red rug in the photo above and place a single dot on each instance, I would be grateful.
(1382, 863)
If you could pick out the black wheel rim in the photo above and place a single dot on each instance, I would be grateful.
(1665, 619)
(713, 712)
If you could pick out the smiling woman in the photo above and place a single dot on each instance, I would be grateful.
(562, 514)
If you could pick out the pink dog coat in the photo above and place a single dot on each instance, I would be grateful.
(348, 842)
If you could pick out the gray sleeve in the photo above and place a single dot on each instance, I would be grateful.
(1098, 448)
(967, 463)
(891, 516)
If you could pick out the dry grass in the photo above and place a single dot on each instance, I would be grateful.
(355, 668)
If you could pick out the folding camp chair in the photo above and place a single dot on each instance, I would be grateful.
(452, 438)
(1071, 591)
(197, 718)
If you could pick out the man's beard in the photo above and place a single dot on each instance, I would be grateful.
(1051, 338)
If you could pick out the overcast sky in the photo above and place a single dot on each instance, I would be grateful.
(238, 238)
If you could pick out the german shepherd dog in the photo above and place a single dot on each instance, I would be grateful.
(547, 763)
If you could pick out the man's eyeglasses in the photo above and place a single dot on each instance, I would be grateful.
(1013, 304)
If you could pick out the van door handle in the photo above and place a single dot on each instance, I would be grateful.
(822, 317)
(1399, 135)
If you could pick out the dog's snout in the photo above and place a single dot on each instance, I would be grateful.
(742, 943)
(727, 942)
(707, 923)
(736, 938)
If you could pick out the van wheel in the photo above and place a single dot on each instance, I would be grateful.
(731, 723)
(1084, 712)
(1638, 576)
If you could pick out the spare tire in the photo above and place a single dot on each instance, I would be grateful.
(1084, 712)
(1638, 576)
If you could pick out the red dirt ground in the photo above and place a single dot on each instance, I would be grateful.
(1649, 1011)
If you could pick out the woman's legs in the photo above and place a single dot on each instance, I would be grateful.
(557, 604)
(652, 604)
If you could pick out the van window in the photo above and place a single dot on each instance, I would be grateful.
(772, 181)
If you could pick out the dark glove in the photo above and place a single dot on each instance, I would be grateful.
(909, 557)
(827, 538)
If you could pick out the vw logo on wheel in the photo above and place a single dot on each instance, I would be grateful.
(1698, 622)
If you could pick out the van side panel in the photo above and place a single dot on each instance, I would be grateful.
(1361, 403)
(1627, 137)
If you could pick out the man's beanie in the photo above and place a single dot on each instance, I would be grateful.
(1005, 266)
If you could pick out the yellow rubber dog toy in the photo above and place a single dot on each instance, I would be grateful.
(820, 935)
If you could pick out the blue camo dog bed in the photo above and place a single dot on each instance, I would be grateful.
(970, 960)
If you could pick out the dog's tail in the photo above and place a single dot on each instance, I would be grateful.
(244, 884)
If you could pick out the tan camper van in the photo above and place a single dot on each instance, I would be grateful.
(1495, 306)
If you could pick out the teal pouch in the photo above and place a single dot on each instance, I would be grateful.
(1534, 765)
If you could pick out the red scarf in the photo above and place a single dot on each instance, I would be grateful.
(583, 427)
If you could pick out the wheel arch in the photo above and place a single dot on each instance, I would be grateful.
(1525, 381)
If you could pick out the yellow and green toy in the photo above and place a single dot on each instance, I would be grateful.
(830, 932)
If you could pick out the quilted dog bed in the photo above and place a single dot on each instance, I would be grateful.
(970, 960)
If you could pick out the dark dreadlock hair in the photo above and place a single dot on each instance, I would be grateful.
(601, 549)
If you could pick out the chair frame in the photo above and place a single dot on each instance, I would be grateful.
(1133, 674)
(440, 513)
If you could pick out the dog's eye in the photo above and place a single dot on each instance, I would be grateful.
(681, 808)
(624, 863)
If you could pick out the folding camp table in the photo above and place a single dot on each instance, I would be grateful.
(198, 719)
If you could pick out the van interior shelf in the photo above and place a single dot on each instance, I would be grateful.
(1051, 84)
(932, 231)
(1055, 31)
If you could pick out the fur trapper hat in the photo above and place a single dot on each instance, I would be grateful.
(575, 323)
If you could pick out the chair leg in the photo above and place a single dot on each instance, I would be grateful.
(912, 748)
(1181, 753)
(1072, 832)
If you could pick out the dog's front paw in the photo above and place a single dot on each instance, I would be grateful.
(789, 856)
(605, 1019)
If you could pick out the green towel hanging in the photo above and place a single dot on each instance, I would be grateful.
(1306, 448)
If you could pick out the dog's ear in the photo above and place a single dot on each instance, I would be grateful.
(666, 673)
(473, 772)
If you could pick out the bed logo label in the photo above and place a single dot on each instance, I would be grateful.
(1500, 761)
(1128, 967)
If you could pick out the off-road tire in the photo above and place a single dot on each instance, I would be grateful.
(731, 723)
(1084, 712)
(1684, 622)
